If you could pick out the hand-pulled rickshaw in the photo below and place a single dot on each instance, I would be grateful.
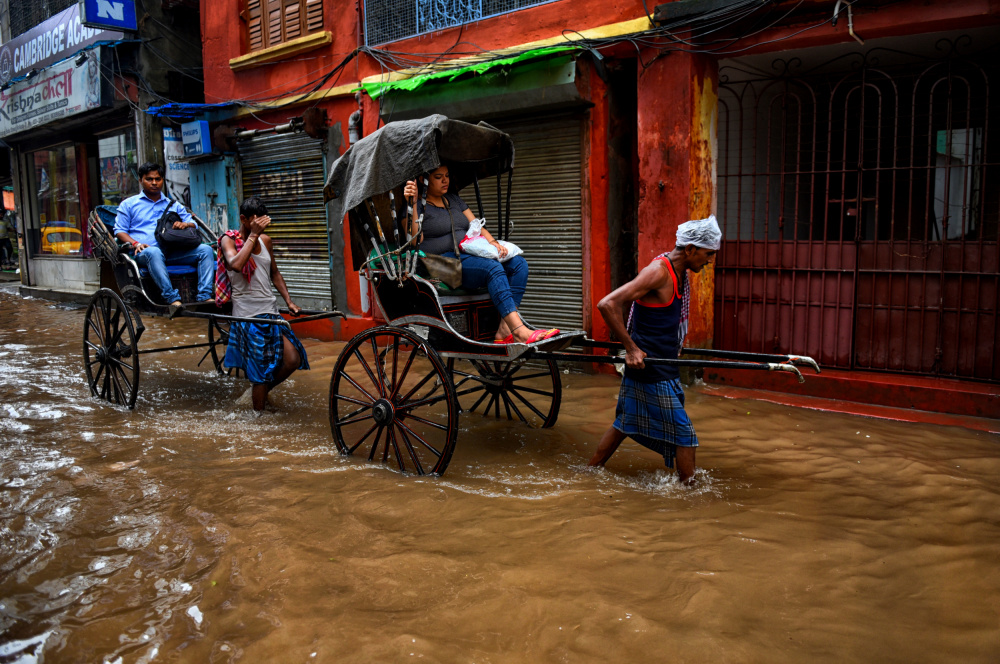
(398, 389)
(113, 325)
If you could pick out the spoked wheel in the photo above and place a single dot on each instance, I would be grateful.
(392, 401)
(530, 393)
(110, 353)
(218, 340)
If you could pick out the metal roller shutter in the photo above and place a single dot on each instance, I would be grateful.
(545, 216)
(287, 172)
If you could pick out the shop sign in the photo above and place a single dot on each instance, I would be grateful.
(50, 41)
(111, 14)
(178, 177)
(196, 138)
(54, 93)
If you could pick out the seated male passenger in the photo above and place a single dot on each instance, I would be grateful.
(136, 225)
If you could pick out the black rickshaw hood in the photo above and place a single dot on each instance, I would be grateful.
(402, 150)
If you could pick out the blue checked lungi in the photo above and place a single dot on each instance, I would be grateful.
(257, 349)
(653, 415)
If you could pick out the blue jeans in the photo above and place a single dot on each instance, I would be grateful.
(505, 281)
(201, 257)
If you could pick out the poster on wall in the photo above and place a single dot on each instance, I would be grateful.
(117, 178)
(54, 93)
(178, 185)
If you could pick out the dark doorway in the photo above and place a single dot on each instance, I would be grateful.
(622, 170)
(861, 212)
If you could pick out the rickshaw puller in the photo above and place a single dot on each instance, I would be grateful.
(247, 269)
(650, 406)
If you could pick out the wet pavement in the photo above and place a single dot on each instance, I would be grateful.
(191, 529)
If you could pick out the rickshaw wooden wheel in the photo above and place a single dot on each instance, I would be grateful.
(218, 339)
(110, 352)
(530, 393)
(392, 401)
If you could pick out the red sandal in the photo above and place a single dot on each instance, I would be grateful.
(541, 335)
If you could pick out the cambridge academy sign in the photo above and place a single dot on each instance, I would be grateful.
(50, 41)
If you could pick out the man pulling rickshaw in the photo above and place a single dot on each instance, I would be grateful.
(650, 406)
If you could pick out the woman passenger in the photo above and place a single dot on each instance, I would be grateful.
(506, 281)
(268, 354)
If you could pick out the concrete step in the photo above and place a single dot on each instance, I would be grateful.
(988, 425)
(940, 395)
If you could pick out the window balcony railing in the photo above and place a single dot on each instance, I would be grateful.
(392, 20)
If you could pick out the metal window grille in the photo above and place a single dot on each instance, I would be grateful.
(861, 214)
(391, 20)
(26, 14)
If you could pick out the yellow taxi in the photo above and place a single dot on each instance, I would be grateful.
(60, 237)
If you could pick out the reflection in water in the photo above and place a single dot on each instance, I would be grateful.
(192, 530)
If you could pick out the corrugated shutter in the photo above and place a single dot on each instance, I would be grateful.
(545, 215)
(286, 171)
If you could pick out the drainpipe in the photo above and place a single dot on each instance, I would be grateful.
(355, 123)
(361, 15)
(850, 20)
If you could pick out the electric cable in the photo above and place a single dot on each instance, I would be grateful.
(698, 35)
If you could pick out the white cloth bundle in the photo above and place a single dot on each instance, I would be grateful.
(475, 244)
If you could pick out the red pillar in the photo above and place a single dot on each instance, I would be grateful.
(677, 117)
(596, 253)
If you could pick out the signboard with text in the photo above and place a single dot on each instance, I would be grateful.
(50, 41)
(196, 139)
(178, 177)
(109, 14)
(55, 93)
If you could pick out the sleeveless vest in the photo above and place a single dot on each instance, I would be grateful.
(654, 328)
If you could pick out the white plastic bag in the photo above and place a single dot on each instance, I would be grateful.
(475, 244)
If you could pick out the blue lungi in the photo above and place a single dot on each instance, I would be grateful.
(258, 350)
(653, 415)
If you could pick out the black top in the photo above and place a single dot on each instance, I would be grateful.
(437, 225)
(654, 329)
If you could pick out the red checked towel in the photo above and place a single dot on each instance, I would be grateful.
(223, 287)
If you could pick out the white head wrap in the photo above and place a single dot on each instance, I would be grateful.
(701, 233)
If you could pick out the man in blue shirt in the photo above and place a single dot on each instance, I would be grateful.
(136, 225)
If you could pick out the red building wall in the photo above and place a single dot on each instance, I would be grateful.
(224, 41)
(223, 29)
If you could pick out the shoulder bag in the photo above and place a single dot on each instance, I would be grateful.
(443, 268)
(175, 239)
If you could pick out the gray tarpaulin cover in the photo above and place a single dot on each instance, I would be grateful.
(402, 150)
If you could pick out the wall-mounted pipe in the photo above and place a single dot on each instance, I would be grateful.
(850, 20)
(850, 26)
(293, 125)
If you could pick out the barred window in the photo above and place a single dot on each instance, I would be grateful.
(272, 22)
(392, 20)
(26, 14)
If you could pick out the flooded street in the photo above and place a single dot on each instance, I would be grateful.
(191, 530)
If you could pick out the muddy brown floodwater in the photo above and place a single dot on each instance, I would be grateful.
(190, 530)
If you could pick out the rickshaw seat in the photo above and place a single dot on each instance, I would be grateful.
(173, 270)
(108, 213)
(442, 289)
(446, 291)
